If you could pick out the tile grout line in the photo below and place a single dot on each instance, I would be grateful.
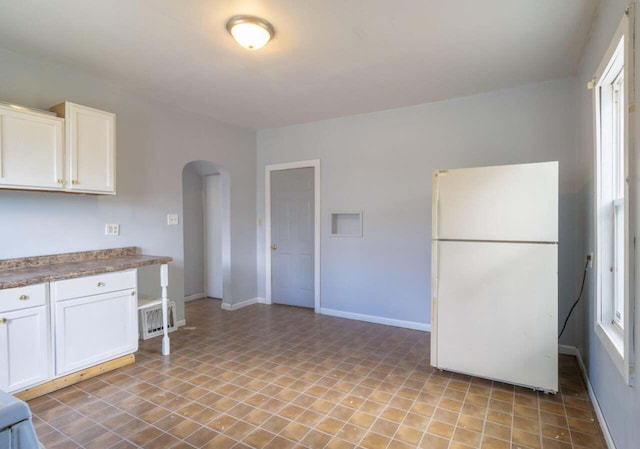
(209, 364)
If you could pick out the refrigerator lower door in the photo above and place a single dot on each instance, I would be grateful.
(495, 311)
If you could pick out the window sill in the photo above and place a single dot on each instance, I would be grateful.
(612, 339)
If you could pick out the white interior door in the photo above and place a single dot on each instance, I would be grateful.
(495, 311)
(292, 237)
(213, 234)
(507, 202)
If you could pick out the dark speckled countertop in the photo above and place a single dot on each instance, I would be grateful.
(36, 270)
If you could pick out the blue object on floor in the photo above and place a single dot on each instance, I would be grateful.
(16, 427)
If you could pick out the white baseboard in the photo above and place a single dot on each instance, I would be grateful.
(241, 304)
(572, 350)
(569, 350)
(377, 319)
(181, 323)
(195, 296)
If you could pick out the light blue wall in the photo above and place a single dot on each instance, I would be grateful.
(381, 163)
(154, 142)
(619, 403)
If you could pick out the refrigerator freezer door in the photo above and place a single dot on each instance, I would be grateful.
(496, 311)
(503, 203)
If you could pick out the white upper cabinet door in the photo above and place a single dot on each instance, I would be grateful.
(91, 148)
(31, 150)
(503, 203)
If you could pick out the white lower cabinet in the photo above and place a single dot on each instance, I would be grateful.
(54, 329)
(24, 348)
(94, 329)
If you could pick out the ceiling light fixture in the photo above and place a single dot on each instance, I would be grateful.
(250, 32)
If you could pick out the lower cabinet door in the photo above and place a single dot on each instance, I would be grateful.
(24, 349)
(95, 329)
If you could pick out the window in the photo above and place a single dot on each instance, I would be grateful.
(614, 254)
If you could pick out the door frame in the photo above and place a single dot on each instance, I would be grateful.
(315, 164)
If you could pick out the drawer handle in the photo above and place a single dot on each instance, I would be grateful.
(100, 284)
(3, 320)
(23, 297)
(133, 293)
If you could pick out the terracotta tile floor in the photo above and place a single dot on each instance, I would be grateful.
(282, 377)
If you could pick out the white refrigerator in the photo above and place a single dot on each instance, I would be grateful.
(494, 273)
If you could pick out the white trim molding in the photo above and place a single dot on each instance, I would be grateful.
(315, 164)
(195, 296)
(181, 323)
(377, 319)
(241, 304)
(618, 342)
(572, 350)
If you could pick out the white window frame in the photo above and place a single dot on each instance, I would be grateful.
(615, 332)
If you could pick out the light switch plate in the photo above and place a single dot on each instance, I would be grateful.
(172, 219)
(111, 229)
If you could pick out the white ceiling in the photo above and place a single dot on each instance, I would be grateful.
(329, 57)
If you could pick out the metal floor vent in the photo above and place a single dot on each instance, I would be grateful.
(150, 317)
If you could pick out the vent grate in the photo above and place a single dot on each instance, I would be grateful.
(151, 320)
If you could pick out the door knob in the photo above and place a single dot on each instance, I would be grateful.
(274, 247)
(3, 320)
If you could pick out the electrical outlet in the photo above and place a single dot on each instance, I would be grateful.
(172, 219)
(111, 229)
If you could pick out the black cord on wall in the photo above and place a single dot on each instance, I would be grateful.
(584, 277)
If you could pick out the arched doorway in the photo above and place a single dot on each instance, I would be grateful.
(207, 231)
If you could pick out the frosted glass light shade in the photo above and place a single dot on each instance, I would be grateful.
(250, 32)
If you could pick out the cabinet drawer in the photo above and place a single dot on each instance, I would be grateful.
(93, 285)
(23, 297)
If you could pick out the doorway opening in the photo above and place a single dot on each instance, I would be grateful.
(292, 228)
(207, 231)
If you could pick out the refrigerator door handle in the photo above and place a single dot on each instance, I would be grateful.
(435, 268)
(435, 201)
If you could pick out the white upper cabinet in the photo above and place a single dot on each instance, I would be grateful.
(31, 150)
(90, 148)
(73, 152)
